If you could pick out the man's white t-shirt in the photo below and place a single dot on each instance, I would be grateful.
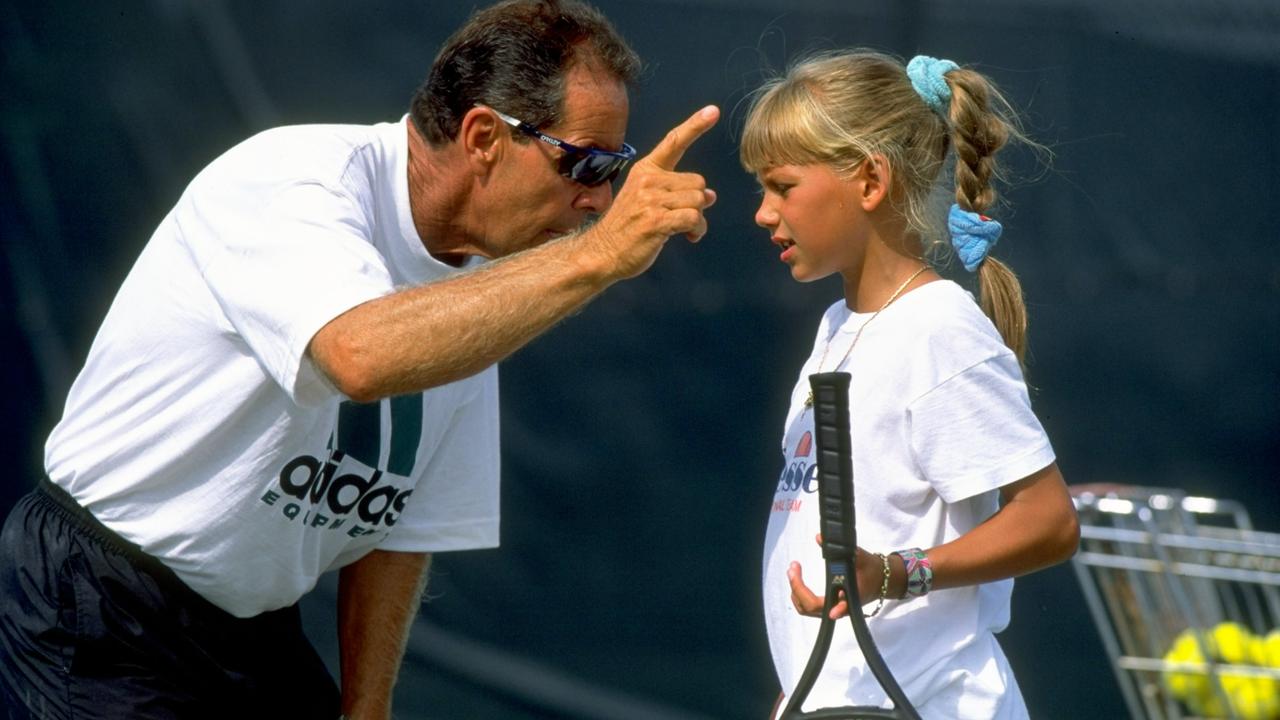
(940, 420)
(199, 427)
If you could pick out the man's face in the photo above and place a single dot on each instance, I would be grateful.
(528, 201)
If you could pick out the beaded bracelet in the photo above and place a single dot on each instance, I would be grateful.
(919, 572)
(884, 587)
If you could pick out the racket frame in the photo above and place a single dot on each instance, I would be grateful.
(839, 551)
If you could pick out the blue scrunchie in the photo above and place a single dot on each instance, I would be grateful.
(972, 235)
(926, 75)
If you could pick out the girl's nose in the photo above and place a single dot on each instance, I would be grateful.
(766, 217)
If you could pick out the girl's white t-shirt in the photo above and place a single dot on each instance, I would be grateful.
(199, 427)
(940, 419)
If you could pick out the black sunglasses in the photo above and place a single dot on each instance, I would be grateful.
(585, 166)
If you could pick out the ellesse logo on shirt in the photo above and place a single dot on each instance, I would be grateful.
(799, 477)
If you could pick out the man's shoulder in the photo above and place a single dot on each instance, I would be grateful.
(315, 141)
(335, 133)
(336, 156)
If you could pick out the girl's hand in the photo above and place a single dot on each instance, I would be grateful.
(806, 602)
(870, 576)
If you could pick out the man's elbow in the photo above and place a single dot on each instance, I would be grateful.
(359, 391)
(347, 368)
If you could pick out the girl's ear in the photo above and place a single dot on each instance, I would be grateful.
(874, 177)
(481, 138)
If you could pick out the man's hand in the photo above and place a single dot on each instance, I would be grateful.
(654, 203)
(437, 333)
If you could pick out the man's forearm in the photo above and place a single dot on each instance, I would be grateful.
(378, 598)
(435, 334)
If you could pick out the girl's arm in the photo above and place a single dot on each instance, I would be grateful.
(1035, 527)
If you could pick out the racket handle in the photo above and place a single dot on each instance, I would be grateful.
(839, 548)
(835, 464)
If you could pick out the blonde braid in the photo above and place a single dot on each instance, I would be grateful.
(978, 132)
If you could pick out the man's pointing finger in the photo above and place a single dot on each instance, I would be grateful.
(673, 146)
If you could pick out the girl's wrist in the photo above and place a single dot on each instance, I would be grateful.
(917, 575)
(885, 575)
(897, 576)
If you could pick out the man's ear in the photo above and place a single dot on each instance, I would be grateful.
(482, 137)
(874, 177)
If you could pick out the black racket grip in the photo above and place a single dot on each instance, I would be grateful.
(835, 464)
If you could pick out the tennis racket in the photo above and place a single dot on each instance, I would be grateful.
(839, 548)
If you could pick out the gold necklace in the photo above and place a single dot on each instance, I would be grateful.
(808, 401)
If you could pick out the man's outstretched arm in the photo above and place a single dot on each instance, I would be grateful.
(441, 332)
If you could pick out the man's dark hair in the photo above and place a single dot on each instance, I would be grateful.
(513, 57)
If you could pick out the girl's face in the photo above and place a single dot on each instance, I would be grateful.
(814, 216)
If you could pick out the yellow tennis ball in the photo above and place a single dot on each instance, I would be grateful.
(1270, 650)
(1184, 684)
(1231, 642)
(1251, 698)
(1207, 704)
(1258, 650)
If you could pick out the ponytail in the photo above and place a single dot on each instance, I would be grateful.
(980, 125)
(1000, 295)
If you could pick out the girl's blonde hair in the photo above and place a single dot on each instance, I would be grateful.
(839, 108)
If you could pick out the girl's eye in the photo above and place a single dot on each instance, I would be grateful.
(772, 186)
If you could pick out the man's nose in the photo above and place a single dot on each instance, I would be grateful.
(595, 199)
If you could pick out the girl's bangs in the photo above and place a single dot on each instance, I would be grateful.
(779, 128)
